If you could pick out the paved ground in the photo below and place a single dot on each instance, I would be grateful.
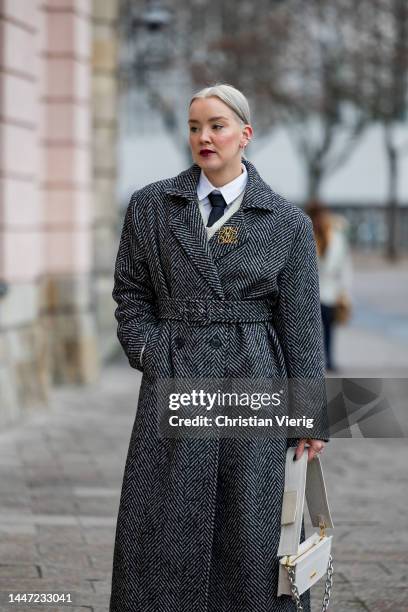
(60, 478)
(375, 342)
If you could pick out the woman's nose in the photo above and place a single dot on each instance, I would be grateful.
(205, 136)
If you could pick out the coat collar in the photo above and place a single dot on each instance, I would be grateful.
(257, 193)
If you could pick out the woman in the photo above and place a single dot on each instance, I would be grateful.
(335, 269)
(211, 287)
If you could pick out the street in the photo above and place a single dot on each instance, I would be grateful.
(61, 472)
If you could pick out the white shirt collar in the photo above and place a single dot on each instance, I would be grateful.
(229, 192)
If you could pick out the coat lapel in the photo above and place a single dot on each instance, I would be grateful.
(187, 226)
(244, 228)
(232, 238)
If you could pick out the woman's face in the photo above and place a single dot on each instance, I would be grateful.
(216, 136)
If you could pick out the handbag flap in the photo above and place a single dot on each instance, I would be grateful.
(310, 564)
(289, 507)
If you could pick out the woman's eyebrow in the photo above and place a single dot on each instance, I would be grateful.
(210, 119)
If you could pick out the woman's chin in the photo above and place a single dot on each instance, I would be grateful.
(208, 163)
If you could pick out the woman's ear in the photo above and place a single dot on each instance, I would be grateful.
(247, 133)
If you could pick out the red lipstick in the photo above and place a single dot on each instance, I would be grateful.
(206, 152)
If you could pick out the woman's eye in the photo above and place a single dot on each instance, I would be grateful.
(193, 129)
(218, 126)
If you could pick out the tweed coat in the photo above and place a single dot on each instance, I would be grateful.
(199, 519)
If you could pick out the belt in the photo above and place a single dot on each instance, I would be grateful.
(215, 311)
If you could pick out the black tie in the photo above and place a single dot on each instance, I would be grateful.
(218, 206)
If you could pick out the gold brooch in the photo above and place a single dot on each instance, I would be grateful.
(228, 235)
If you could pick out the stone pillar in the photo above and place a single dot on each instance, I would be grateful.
(105, 133)
(67, 307)
(23, 375)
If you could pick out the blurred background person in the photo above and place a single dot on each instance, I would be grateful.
(335, 271)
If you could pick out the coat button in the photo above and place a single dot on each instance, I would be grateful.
(215, 342)
(179, 342)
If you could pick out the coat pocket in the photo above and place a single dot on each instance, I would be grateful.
(149, 354)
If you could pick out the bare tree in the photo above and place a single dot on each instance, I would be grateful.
(384, 91)
(241, 43)
(320, 115)
(295, 59)
(322, 69)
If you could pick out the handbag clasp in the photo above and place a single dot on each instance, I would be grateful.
(322, 527)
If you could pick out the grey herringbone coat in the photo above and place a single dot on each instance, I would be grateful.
(199, 519)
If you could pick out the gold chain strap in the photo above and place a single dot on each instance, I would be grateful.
(327, 586)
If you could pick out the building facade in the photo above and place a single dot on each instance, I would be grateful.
(58, 88)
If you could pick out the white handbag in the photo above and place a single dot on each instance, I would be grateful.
(302, 565)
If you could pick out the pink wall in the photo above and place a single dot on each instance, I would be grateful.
(67, 137)
(45, 138)
(20, 204)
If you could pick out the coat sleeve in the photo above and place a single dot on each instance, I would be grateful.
(133, 290)
(300, 331)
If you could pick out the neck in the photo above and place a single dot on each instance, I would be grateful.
(223, 176)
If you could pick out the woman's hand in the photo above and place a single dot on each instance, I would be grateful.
(315, 447)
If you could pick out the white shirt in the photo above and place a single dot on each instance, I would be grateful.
(230, 193)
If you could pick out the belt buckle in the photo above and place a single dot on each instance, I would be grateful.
(195, 313)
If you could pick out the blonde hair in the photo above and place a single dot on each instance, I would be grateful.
(231, 96)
